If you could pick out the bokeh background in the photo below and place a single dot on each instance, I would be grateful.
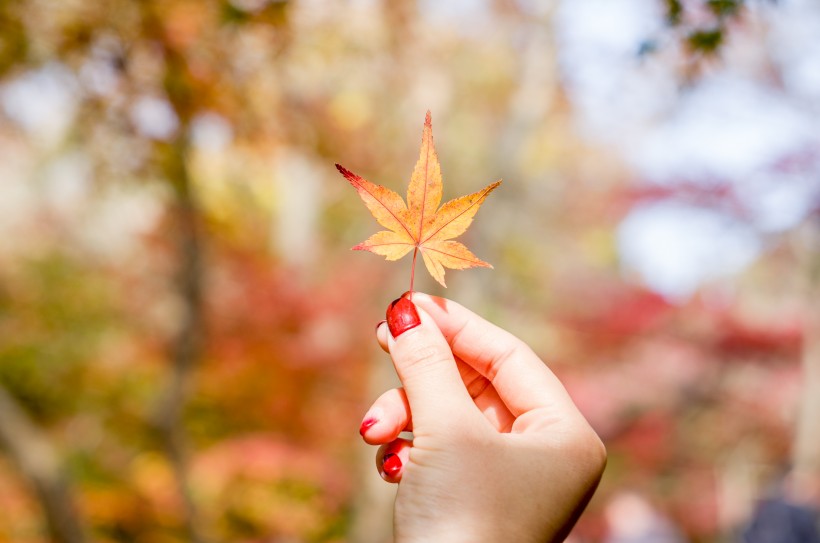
(186, 341)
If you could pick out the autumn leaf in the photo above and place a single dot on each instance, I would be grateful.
(420, 224)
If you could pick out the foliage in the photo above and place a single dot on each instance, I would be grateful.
(168, 197)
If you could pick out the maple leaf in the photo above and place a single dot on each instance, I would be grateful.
(421, 225)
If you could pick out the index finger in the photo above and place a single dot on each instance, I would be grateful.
(521, 378)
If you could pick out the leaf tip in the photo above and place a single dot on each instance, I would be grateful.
(428, 119)
(354, 179)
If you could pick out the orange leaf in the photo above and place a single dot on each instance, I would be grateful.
(421, 225)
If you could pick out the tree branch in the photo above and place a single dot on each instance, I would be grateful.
(34, 455)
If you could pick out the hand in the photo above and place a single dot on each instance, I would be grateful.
(500, 452)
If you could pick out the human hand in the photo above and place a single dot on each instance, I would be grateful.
(500, 452)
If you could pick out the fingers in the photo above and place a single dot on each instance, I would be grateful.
(521, 379)
(392, 458)
(426, 368)
(382, 333)
(387, 418)
(390, 414)
(473, 380)
(494, 410)
(478, 387)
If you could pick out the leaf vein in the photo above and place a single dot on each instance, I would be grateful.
(448, 254)
(472, 205)
(384, 205)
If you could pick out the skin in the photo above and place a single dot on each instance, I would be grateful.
(500, 452)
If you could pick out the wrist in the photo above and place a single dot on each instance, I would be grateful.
(502, 530)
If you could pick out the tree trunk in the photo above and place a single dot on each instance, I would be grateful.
(186, 345)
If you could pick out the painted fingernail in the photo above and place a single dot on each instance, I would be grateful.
(366, 424)
(391, 464)
(379, 324)
(402, 316)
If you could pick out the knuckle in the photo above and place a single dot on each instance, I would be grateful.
(590, 451)
(477, 386)
(426, 356)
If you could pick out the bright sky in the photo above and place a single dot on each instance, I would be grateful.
(730, 127)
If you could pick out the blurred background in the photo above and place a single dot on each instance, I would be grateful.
(186, 341)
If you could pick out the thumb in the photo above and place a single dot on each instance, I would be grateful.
(426, 366)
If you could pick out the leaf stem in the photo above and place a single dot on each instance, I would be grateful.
(413, 269)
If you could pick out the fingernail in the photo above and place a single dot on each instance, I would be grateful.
(391, 464)
(402, 316)
(379, 324)
(366, 424)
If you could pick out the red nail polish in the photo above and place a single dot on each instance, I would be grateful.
(391, 464)
(379, 324)
(366, 424)
(402, 316)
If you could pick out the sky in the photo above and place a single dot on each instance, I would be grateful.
(733, 126)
